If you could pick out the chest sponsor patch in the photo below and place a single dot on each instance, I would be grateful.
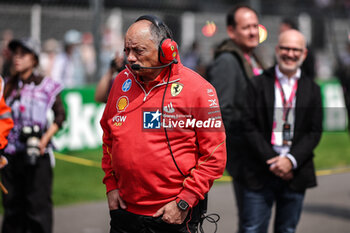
(176, 89)
(213, 103)
(118, 120)
(122, 103)
(127, 85)
(210, 92)
(169, 108)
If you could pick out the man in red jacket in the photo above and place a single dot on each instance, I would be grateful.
(163, 141)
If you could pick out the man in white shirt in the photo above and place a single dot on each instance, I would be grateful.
(283, 124)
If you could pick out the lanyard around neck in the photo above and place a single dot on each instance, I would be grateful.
(287, 104)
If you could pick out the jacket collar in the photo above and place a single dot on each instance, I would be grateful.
(230, 46)
(33, 78)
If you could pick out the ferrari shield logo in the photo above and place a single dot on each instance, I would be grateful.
(176, 88)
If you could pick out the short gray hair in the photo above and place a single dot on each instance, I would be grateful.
(159, 33)
(158, 29)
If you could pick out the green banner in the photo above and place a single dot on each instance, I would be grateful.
(334, 110)
(81, 129)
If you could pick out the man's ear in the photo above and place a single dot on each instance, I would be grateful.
(231, 32)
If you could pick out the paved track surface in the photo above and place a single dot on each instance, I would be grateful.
(326, 210)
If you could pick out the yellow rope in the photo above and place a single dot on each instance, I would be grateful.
(77, 160)
(91, 163)
(318, 173)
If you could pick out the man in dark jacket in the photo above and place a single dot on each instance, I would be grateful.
(283, 124)
(234, 65)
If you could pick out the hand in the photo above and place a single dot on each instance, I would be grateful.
(44, 140)
(3, 161)
(287, 176)
(281, 166)
(171, 213)
(117, 63)
(114, 200)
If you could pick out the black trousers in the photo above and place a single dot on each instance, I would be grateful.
(28, 205)
(123, 221)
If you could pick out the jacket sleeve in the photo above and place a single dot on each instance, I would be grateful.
(262, 148)
(6, 123)
(211, 148)
(109, 179)
(302, 149)
(226, 75)
(59, 112)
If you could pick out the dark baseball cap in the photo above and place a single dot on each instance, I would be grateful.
(27, 43)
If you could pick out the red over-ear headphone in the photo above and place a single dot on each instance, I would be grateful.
(168, 49)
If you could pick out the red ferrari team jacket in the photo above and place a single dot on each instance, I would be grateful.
(136, 155)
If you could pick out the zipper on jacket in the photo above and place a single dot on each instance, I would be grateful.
(158, 85)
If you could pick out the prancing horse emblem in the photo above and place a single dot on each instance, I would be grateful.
(176, 88)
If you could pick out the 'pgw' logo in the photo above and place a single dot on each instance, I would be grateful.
(119, 118)
(151, 120)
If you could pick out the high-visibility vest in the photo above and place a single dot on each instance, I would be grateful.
(6, 122)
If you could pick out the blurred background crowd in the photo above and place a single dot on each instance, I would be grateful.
(84, 35)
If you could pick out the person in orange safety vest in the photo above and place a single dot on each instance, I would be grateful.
(6, 124)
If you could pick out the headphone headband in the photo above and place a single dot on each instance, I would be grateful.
(156, 21)
(152, 18)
